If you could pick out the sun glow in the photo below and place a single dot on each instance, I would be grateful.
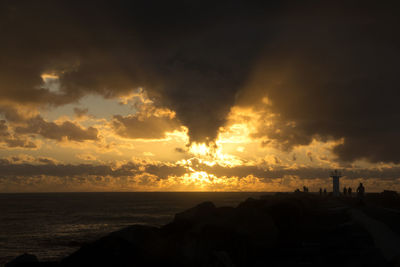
(206, 155)
(230, 137)
(201, 149)
(202, 181)
(212, 155)
(200, 178)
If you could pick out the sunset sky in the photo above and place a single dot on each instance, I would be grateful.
(198, 95)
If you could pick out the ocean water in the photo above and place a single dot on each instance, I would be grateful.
(52, 225)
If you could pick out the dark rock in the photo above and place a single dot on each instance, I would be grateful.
(194, 214)
(23, 260)
(390, 194)
(75, 244)
(137, 235)
(287, 215)
(184, 221)
(279, 230)
(136, 245)
(237, 232)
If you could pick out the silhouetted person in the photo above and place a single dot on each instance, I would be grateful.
(325, 191)
(344, 191)
(320, 191)
(349, 191)
(360, 193)
(297, 190)
(304, 189)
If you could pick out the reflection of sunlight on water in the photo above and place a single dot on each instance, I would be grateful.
(68, 229)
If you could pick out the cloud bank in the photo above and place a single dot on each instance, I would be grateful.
(329, 69)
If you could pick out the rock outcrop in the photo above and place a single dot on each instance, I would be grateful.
(280, 230)
(22, 260)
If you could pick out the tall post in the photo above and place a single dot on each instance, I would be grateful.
(335, 181)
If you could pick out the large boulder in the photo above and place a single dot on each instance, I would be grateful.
(137, 245)
(390, 194)
(196, 213)
(184, 221)
(23, 260)
(208, 236)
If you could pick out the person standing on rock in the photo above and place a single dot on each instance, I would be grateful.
(360, 192)
(349, 191)
(320, 191)
(344, 191)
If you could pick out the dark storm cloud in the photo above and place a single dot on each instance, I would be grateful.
(34, 167)
(3, 128)
(24, 125)
(51, 130)
(12, 113)
(49, 167)
(151, 127)
(301, 172)
(328, 66)
(334, 75)
(23, 158)
(191, 57)
(59, 170)
(80, 112)
(13, 141)
(46, 160)
(19, 142)
(163, 171)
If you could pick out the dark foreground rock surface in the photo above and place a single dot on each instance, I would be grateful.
(280, 230)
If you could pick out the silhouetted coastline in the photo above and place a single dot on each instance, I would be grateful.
(285, 229)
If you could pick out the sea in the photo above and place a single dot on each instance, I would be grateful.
(53, 225)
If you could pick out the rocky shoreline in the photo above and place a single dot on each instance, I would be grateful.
(286, 229)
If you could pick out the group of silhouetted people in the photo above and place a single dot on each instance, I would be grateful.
(305, 190)
(347, 191)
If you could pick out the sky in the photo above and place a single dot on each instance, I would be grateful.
(198, 95)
